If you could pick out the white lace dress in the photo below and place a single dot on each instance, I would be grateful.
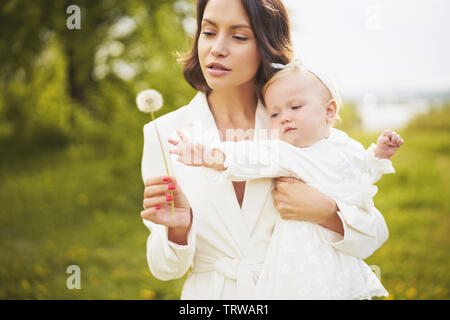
(300, 262)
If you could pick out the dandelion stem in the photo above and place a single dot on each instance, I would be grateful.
(165, 161)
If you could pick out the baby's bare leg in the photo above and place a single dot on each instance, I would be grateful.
(387, 144)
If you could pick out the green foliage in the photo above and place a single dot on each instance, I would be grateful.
(38, 111)
(349, 118)
(55, 76)
(83, 209)
(436, 120)
(416, 206)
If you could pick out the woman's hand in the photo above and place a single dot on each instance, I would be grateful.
(157, 207)
(295, 200)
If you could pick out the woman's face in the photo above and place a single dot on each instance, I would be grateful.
(227, 48)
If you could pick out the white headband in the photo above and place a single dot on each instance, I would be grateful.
(326, 80)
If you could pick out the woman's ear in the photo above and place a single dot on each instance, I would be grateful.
(331, 110)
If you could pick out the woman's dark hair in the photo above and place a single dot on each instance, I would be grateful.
(270, 23)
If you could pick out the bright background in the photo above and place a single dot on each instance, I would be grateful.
(71, 135)
(400, 53)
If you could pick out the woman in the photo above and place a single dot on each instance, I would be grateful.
(222, 230)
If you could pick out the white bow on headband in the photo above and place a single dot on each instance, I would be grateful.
(294, 62)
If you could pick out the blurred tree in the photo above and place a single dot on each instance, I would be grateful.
(350, 118)
(49, 71)
(435, 120)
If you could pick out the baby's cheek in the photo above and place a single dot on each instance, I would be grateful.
(275, 125)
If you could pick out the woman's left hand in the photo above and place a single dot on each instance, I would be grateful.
(295, 200)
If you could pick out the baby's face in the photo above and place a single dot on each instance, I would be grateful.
(297, 105)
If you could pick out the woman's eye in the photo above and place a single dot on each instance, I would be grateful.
(295, 107)
(240, 38)
(273, 115)
(206, 33)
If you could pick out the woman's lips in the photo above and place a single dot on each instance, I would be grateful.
(217, 72)
(217, 69)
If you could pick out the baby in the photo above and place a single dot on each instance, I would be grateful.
(301, 263)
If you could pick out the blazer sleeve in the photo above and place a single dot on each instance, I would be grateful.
(166, 260)
(365, 231)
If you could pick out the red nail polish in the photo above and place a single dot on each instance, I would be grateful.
(169, 198)
(157, 207)
(171, 186)
(166, 179)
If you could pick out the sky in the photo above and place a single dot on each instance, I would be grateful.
(372, 46)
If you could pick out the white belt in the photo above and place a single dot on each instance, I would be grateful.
(240, 270)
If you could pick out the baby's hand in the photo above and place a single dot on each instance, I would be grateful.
(388, 142)
(197, 155)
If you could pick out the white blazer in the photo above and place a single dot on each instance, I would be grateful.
(227, 244)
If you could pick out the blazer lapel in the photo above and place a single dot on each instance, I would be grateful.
(202, 127)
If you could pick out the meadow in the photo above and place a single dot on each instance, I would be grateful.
(79, 205)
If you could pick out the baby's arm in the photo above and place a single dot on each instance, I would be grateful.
(196, 154)
(387, 144)
(377, 157)
(238, 161)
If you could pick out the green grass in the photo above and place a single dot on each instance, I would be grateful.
(76, 206)
(81, 205)
(415, 202)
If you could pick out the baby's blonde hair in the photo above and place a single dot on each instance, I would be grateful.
(296, 66)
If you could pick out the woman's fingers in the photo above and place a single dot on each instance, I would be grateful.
(161, 214)
(162, 189)
(157, 180)
(154, 213)
(286, 179)
(148, 213)
(154, 201)
(282, 179)
(165, 203)
(156, 190)
(279, 201)
(169, 186)
(164, 217)
(164, 186)
(173, 186)
(275, 194)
